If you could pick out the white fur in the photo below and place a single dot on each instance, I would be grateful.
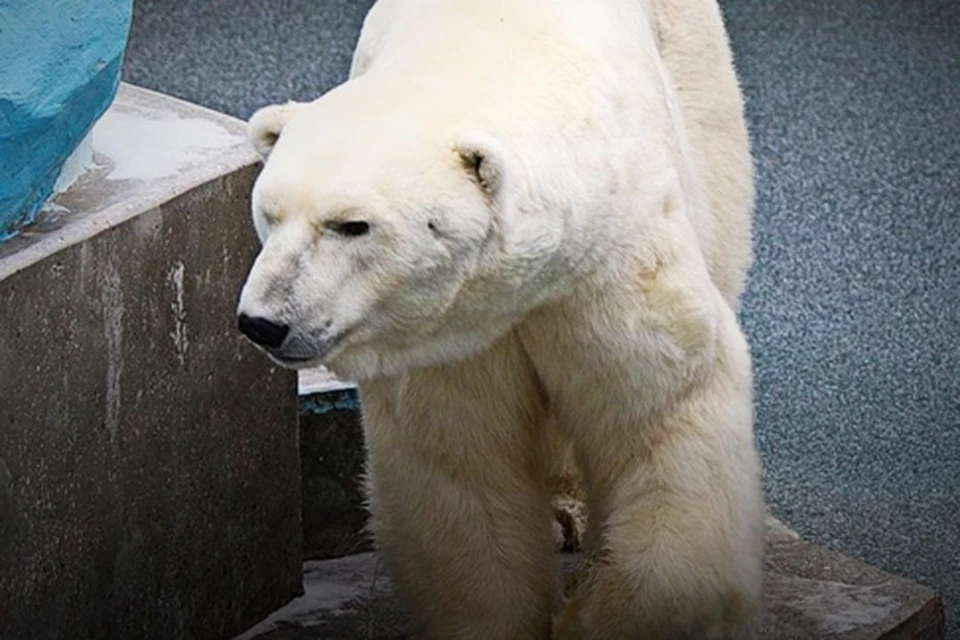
(559, 200)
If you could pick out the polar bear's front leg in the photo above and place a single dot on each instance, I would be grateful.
(658, 407)
(459, 504)
(678, 549)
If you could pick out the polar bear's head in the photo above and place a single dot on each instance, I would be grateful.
(385, 233)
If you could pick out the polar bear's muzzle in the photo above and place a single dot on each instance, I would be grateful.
(292, 349)
(263, 332)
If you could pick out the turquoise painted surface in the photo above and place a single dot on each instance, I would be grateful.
(321, 403)
(60, 70)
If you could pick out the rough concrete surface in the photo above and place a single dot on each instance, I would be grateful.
(811, 593)
(149, 476)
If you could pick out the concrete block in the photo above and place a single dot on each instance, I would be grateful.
(332, 459)
(149, 461)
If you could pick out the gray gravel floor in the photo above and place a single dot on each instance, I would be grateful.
(853, 308)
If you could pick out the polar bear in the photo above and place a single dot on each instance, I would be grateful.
(520, 214)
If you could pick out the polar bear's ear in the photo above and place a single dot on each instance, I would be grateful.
(485, 159)
(265, 125)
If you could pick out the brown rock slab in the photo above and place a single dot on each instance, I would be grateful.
(810, 593)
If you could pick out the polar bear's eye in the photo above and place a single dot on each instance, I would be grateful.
(352, 228)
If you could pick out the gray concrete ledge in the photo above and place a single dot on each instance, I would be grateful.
(149, 460)
(811, 593)
(321, 380)
(148, 148)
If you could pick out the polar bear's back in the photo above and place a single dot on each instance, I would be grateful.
(542, 52)
(694, 46)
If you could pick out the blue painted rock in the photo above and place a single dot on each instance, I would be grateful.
(60, 70)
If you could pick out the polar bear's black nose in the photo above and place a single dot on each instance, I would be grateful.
(262, 331)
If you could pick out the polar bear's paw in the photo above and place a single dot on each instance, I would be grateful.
(570, 521)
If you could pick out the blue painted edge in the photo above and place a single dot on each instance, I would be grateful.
(318, 404)
(64, 70)
(87, 104)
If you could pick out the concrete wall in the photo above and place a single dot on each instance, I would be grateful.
(149, 463)
(332, 455)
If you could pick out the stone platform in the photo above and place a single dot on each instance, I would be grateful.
(149, 465)
(810, 593)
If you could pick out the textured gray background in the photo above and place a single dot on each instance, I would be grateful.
(853, 307)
